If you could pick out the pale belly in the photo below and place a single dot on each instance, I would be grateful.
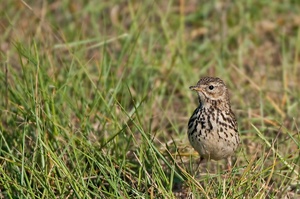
(212, 147)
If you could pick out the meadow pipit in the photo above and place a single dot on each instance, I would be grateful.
(212, 129)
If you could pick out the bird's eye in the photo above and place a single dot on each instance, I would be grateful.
(211, 87)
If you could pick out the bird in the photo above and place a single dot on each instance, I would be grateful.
(212, 128)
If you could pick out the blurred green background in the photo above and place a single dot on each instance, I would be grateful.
(95, 100)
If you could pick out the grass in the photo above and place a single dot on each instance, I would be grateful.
(95, 100)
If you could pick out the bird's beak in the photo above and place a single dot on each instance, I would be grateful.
(195, 88)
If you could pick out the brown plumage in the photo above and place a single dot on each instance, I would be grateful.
(212, 129)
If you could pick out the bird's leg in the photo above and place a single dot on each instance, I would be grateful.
(200, 161)
(229, 163)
